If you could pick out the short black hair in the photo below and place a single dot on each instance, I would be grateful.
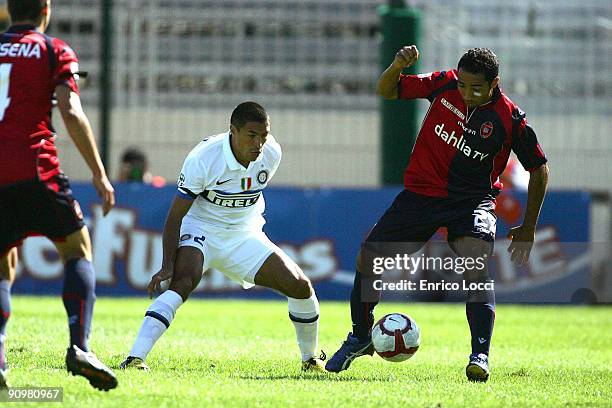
(136, 162)
(480, 61)
(28, 10)
(134, 155)
(248, 112)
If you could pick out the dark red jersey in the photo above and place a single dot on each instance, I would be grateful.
(461, 151)
(31, 66)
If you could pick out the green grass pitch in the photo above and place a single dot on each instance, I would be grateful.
(244, 354)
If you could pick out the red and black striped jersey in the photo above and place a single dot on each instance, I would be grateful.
(32, 64)
(461, 151)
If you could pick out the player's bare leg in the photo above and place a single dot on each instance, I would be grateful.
(74, 246)
(79, 297)
(480, 307)
(187, 275)
(8, 266)
(280, 273)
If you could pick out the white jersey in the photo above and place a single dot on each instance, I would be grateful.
(227, 195)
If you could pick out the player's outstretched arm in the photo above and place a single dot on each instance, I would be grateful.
(387, 82)
(80, 132)
(170, 241)
(524, 235)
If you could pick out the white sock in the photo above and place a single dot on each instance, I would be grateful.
(157, 320)
(304, 313)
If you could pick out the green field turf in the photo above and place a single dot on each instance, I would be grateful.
(233, 353)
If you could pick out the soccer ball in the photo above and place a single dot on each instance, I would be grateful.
(396, 337)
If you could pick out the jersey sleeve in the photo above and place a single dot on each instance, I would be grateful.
(422, 85)
(67, 67)
(192, 180)
(525, 143)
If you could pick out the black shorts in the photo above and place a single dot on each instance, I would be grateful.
(414, 218)
(35, 208)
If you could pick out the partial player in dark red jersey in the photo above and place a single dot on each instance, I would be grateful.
(451, 181)
(35, 196)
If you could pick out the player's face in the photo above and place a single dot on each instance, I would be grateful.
(474, 88)
(248, 141)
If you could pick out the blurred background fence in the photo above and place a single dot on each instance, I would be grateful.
(180, 66)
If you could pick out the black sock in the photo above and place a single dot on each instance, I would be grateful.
(481, 316)
(79, 298)
(5, 313)
(362, 313)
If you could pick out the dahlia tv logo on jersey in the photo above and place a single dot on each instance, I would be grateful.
(452, 140)
(486, 130)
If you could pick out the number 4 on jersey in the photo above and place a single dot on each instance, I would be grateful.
(5, 75)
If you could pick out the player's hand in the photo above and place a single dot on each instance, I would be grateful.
(106, 192)
(522, 241)
(156, 280)
(406, 57)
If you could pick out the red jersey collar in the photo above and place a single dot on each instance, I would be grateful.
(21, 27)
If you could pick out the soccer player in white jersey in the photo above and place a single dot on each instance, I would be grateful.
(216, 221)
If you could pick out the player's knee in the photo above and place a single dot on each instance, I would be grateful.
(369, 253)
(473, 247)
(8, 265)
(477, 251)
(181, 286)
(301, 288)
(476, 275)
(76, 251)
(76, 246)
(358, 262)
(6, 274)
(364, 261)
(183, 283)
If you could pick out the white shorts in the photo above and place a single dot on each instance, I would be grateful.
(237, 254)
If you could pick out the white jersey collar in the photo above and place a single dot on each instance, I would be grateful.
(232, 163)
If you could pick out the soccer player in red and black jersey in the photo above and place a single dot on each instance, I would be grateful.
(35, 196)
(452, 181)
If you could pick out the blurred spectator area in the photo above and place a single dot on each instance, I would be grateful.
(180, 66)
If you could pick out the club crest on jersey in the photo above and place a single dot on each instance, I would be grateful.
(246, 183)
(262, 176)
(486, 130)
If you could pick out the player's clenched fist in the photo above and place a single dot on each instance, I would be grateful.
(406, 56)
